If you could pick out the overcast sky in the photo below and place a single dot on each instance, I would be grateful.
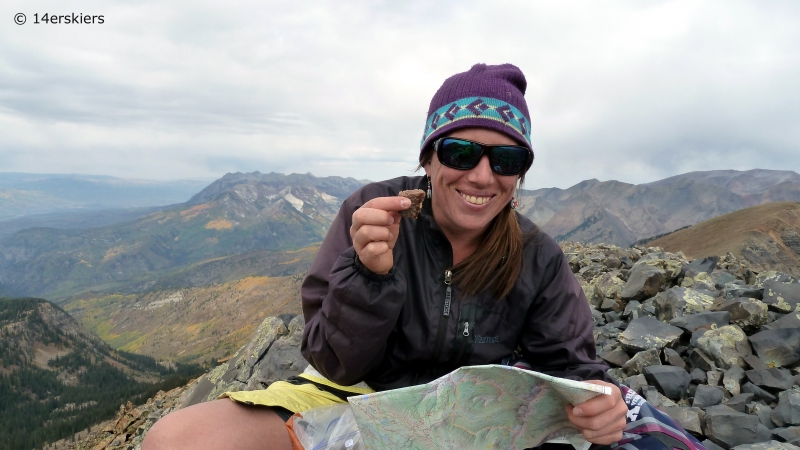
(627, 90)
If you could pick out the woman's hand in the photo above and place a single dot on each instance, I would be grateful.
(602, 418)
(374, 231)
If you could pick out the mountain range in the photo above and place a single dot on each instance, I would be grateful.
(237, 214)
(26, 194)
(619, 213)
(253, 214)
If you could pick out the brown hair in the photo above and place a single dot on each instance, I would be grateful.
(498, 261)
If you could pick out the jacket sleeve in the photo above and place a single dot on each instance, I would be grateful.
(349, 310)
(558, 337)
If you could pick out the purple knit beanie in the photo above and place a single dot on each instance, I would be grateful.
(484, 96)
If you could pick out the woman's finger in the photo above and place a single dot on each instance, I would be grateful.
(388, 203)
(371, 233)
(370, 216)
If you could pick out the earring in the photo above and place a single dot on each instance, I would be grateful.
(429, 187)
(514, 204)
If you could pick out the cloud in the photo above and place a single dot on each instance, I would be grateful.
(633, 91)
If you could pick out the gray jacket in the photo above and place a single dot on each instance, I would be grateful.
(399, 329)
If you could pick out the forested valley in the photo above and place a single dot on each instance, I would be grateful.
(56, 379)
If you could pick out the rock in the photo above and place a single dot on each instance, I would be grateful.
(597, 317)
(791, 320)
(698, 376)
(710, 445)
(706, 396)
(672, 358)
(704, 320)
(772, 275)
(739, 402)
(644, 281)
(607, 304)
(608, 285)
(763, 412)
(591, 270)
(611, 316)
(252, 367)
(722, 278)
(701, 281)
(735, 373)
(788, 410)
(783, 297)
(656, 398)
(633, 310)
(613, 262)
(732, 386)
(680, 301)
(714, 377)
(648, 309)
(641, 360)
(617, 374)
(616, 357)
(647, 333)
(689, 418)
(662, 260)
(636, 382)
(760, 394)
(669, 380)
(733, 291)
(747, 313)
(726, 345)
(771, 445)
(791, 434)
(729, 428)
(700, 360)
(754, 362)
(732, 378)
(698, 266)
(777, 348)
(771, 379)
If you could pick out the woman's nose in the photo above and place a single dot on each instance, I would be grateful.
(482, 173)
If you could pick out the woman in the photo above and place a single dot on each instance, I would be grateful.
(397, 302)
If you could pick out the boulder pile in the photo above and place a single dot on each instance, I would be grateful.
(710, 342)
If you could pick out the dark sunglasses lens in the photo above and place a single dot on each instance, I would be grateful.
(459, 154)
(508, 160)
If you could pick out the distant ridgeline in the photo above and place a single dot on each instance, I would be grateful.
(618, 213)
(57, 379)
(240, 214)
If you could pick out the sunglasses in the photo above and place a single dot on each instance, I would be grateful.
(463, 154)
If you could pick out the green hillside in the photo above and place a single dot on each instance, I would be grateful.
(57, 379)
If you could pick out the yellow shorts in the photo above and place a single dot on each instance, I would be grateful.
(300, 397)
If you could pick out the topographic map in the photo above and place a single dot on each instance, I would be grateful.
(473, 407)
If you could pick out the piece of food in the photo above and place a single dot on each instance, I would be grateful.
(417, 196)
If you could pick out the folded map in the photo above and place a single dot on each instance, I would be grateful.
(487, 406)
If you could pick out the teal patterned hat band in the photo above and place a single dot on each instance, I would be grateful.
(486, 97)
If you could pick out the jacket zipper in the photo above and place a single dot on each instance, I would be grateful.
(448, 296)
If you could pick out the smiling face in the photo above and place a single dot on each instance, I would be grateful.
(466, 201)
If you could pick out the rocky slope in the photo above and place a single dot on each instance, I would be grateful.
(767, 236)
(711, 342)
(237, 214)
(621, 213)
